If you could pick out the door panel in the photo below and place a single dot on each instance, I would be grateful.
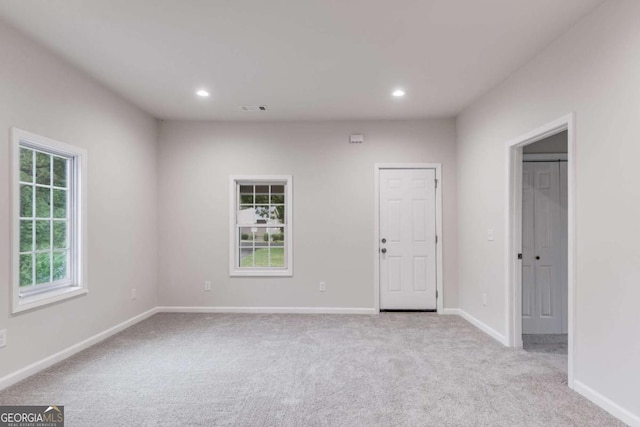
(395, 220)
(528, 281)
(545, 284)
(419, 221)
(395, 273)
(408, 223)
(528, 292)
(420, 274)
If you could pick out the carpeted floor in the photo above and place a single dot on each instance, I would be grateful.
(545, 343)
(392, 369)
(551, 348)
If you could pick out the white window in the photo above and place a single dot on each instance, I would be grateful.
(48, 216)
(261, 224)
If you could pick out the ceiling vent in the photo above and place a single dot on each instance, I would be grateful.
(356, 138)
(252, 108)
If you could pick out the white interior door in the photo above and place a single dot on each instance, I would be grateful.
(543, 261)
(407, 239)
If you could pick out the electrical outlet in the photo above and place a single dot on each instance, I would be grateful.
(134, 293)
(207, 286)
(323, 287)
(491, 235)
(484, 299)
(3, 338)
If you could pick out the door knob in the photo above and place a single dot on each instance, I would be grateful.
(383, 250)
(384, 240)
(537, 257)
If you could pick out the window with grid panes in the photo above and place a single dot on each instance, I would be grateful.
(47, 247)
(261, 225)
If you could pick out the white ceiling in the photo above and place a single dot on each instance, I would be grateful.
(304, 59)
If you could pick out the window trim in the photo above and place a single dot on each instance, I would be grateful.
(77, 285)
(234, 181)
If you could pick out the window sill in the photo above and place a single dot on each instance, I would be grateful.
(261, 273)
(45, 298)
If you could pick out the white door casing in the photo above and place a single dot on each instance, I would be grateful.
(564, 251)
(543, 309)
(407, 218)
(513, 233)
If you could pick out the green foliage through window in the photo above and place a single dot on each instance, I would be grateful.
(44, 218)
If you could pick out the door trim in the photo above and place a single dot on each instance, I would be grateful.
(552, 157)
(513, 232)
(376, 242)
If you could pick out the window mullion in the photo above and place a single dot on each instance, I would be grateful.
(253, 244)
(33, 220)
(269, 230)
(50, 218)
(71, 219)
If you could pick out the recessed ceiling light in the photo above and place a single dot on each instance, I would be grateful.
(202, 93)
(398, 93)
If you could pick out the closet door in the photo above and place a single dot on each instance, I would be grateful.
(542, 307)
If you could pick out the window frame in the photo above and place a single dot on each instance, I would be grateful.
(234, 236)
(50, 292)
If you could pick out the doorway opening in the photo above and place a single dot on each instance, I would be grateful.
(540, 246)
(544, 250)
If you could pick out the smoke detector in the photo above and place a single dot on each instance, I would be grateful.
(252, 108)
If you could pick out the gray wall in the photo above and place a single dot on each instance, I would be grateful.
(554, 144)
(42, 94)
(593, 70)
(333, 206)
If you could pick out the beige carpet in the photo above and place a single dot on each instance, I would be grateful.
(552, 348)
(392, 369)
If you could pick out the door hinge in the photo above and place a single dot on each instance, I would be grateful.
(436, 294)
(519, 256)
(436, 239)
(436, 182)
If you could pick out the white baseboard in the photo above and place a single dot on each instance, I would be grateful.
(290, 310)
(478, 324)
(450, 311)
(607, 404)
(40, 365)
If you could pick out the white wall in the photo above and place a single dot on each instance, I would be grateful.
(333, 206)
(594, 71)
(42, 94)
